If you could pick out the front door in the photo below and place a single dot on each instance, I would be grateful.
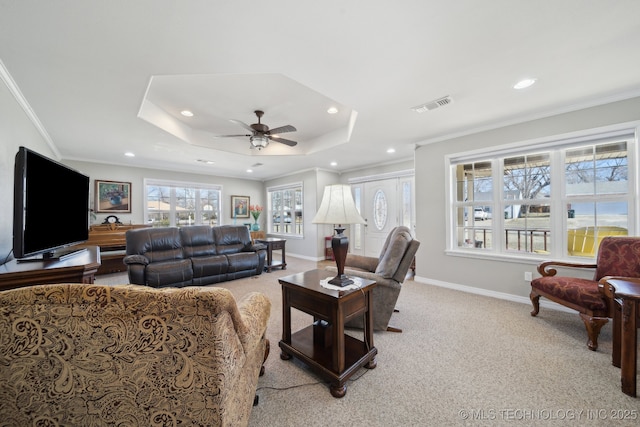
(381, 214)
(384, 204)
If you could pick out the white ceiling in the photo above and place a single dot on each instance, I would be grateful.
(89, 70)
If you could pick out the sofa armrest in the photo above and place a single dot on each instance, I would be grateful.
(255, 309)
(361, 262)
(255, 247)
(135, 259)
(546, 268)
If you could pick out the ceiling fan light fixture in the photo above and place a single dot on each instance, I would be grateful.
(259, 141)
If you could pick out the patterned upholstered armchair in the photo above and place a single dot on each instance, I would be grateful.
(389, 271)
(617, 256)
(82, 355)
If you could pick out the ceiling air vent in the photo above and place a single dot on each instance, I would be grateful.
(432, 105)
(256, 165)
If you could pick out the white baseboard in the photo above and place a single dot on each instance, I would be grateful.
(493, 294)
(306, 258)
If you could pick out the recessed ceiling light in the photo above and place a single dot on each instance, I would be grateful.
(334, 163)
(249, 170)
(129, 154)
(332, 110)
(186, 113)
(391, 150)
(522, 84)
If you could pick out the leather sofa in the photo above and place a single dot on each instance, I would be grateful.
(194, 255)
(98, 355)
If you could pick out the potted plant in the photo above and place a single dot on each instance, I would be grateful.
(255, 211)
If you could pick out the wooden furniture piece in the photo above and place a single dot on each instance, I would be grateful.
(260, 234)
(583, 242)
(110, 238)
(323, 345)
(625, 294)
(617, 256)
(272, 244)
(80, 268)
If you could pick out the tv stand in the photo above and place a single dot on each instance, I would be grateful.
(59, 255)
(79, 268)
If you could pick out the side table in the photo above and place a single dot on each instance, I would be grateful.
(626, 295)
(323, 345)
(272, 244)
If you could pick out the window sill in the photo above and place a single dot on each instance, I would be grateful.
(534, 259)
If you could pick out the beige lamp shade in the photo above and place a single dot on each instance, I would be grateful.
(337, 207)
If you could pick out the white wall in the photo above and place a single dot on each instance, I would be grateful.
(230, 187)
(432, 264)
(308, 246)
(16, 129)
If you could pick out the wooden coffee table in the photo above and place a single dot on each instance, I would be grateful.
(323, 345)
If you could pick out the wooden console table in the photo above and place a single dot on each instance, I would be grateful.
(323, 345)
(80, 268)
(272, 244)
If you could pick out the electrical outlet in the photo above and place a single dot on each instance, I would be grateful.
(528, 276)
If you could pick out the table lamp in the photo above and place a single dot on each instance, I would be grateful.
(338, 207)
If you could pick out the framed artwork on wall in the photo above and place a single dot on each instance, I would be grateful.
(113, 197)
(239, 206)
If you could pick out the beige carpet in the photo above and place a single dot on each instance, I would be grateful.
(462, 359)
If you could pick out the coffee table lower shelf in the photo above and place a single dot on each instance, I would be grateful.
(319, 357)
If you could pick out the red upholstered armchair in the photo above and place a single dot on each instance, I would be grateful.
(617, 256)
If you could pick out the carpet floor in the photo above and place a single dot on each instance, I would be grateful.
(461, 360)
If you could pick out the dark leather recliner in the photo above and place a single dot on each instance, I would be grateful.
(191, 256)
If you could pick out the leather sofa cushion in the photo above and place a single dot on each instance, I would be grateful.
(242, 261)
(231, 238)
(169, 273)
(197, 241)
(156, 244)
(210, 266)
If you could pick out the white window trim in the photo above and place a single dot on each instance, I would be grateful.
(269, 213)
(554, 143)
(173, 183)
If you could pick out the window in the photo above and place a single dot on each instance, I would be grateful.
(171, 203)
(555, 198)
(285, 210)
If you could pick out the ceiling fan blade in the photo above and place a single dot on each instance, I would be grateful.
(243, 124)
(231, 136)
(288, 142)
(282, 129)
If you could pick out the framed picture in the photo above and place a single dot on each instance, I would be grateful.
(239, 206)
(113, 197)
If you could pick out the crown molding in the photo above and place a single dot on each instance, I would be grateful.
(22, 101)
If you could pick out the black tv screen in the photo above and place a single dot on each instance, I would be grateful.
(51, 205)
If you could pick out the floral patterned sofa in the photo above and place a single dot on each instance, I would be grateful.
(91, 355)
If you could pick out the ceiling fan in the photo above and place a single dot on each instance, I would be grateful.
(261, 134)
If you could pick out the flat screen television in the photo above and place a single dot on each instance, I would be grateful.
(50, 208)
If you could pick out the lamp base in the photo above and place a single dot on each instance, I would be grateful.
(341, 280)
(340, 246)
